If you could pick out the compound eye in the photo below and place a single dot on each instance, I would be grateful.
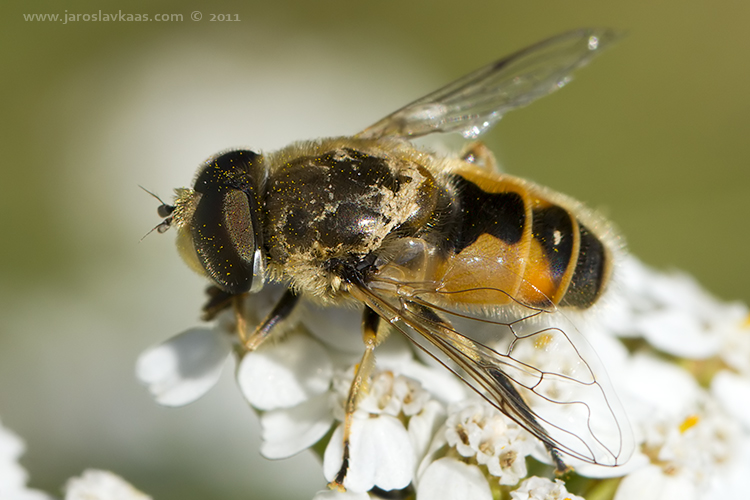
(224, 239)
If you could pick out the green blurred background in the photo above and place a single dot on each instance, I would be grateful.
(654, 133)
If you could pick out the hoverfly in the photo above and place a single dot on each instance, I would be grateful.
(478, 268)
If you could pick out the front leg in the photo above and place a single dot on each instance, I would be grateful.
(280, 312)
(370, 323)
(219, 300)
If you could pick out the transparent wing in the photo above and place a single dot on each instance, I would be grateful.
(475, 102)
(530, 363)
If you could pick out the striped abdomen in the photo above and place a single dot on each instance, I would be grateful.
(511, 242)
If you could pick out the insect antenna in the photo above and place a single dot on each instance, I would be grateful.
(164, 210)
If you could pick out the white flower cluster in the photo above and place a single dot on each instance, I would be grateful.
(101, 485)
(679, 362)
(477, 430)
(91, 485)
(13, 477)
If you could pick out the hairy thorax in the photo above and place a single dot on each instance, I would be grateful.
(334, 203)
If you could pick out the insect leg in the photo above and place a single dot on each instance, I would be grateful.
(370, 323)
(218, 300)
(480, 155)
(279, 313)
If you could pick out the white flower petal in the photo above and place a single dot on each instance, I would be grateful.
(422, 427)
(11, 445)
(616, 315)
(671, 311)
(285, 374)
(644, 484)
(655, 387)
(736, 348)
(610, 351)
(636, 462)
(732, 483)
(435, 450)
(288, 431)
(185, 367)
(678, 334)
(650, 483)
(13, 478)
(12, 475)
(340, 495)
(682, 487)
(101, 485)
(449, 479)
(733, 391)
(381, 455)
